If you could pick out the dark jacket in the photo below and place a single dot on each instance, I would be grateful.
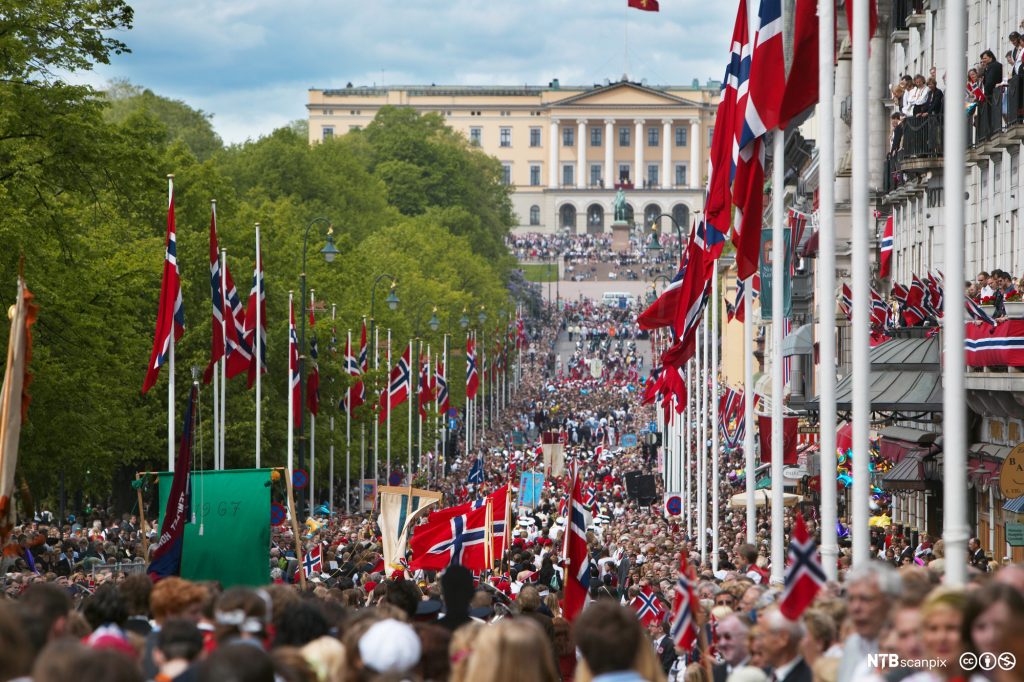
(666, 650)
(992, 77)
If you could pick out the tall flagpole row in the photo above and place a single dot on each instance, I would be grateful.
(257, 349)
(778, 551)
(348, 435)
(714, 418)
(170, 361)
(224, 360)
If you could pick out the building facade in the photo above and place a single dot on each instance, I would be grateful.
(565, 149)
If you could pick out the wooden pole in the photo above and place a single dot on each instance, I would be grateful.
(295, 528)
(142, 522)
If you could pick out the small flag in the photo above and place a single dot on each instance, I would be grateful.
(645, 5)
(646, 606)
(312, 563)
(683, 627)
(804, 575)
(885, 251)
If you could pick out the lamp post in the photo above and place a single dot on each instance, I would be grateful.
(655, 245)
(392, 301)
(329, 252)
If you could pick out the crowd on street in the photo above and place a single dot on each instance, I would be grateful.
(73, 609)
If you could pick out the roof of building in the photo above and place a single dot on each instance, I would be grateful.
(504, 90)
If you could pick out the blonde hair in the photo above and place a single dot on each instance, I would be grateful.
(943, 598)
(512, 651)
(460, 650)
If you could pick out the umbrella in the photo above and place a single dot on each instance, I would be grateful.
(762, 498)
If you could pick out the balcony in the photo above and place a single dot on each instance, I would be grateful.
(901, 9)
(996, 124)
(922, 144)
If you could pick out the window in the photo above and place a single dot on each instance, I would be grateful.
(595, 174)
(623, 137)
(681, 136)
(595, 216)
(595, 137)
(534, 176)
(506, 174)
(567, 215)
(328, 132)
(535, 215)
(652, 174)
(711, 135)
(653, 137)
(681, 213)
(534, 137)
(623, 172)
(567, 175)
(474, 136)
(681, 175)
(568, 137)
(506, 137)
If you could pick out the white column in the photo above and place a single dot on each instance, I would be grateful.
(638, 158)
(666, 153)
(581, 154)
(609, 153)
(553, 155)
(695, 154)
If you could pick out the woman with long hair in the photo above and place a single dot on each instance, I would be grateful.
(513, 650)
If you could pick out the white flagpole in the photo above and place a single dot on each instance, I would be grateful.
(408, 472)
(827, 286)
(698, 412)
(170, 357)
(426, 416)
(714, 418)
(291, 394)
(258, 350)
(860, 324)
(482, 353)
(749, 462)
(444, 418)
(954, 427)
(376, 421)
(689, 447)
(330, 476)
(778, 544)
(387, 403)
(348, 436)
(218, 455)
(312, 436)
(703, 483)
(224, 360)
(216, 415)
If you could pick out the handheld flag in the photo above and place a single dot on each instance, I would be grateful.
(312, 563)
(682, 626)
(166, 553)
(476, 472)
(577, 583)
(646, 606)
(804, 575)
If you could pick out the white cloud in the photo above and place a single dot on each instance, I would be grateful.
(250, 62)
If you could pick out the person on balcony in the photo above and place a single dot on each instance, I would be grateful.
(932, 105)
(915, 96)
(992, 74)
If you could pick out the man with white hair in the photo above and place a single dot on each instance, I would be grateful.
(782, 639)
(732, 645)
(870, 591)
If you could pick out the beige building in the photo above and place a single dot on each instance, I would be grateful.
(565, 149)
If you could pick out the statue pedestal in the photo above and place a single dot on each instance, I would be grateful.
(620, 235)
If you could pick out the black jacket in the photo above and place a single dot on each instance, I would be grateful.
(992, 77)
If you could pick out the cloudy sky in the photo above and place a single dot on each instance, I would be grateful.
(250, 62)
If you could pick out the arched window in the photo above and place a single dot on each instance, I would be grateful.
(567, 215)
(681, 213)
(535, 215)
(651, 214)
(629, 213)
(595, 218)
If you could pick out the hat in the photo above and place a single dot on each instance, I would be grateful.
(389, 646)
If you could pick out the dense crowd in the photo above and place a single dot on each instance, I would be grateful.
(68, 613)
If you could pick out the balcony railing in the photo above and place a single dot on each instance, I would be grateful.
(900, 12)
(922, 137)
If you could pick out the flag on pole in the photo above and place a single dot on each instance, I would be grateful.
(885, 251)
(441, 382)
(476, 471)
(258, 296)
(166, 553)
(646, 606)
(363, 361)
(313, 382)
(737, 311)
(802, 79)
(426, 391)
(356, 394)
(170, 317)
(397, 391)
(238, 350)
(577, 582)
(293, 366)
(217, 320)
(459, 540)
(976, 312)
(472, 378)
(804, 575)
(846, 302)
(312, 562)
(14, 400)
(645, 5)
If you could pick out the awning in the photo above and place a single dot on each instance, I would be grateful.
(909, 474)
(905, 378)
(799, 342)
(984, 462)
(895, 442)
(1016, 506)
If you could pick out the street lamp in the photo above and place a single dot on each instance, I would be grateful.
(655, 245)
(464, 320)
(329, 252)
(392, 299)
(482, 317)
(434, 323)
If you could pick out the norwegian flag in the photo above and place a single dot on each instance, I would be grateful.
(397, 391)
(312, 563)
(472, 378)
(872, 18)
(804, 575)
(846, 303)
(217, 293)
(885, 251)
(356, 394)
(457, 540)
(238, 349)
(426, 391)
(737, 311)
(499, 503)
(170, 316)
(443, 402)
(257, 297)
(682, 625)
(719, 192)
(577, 582)
(879, 310)
(899, 292)
(730, 407)
(590, 497)
(662, 312)
(914, 312)
(293, 365)
(646, 606)
(599, 451)
(313, 382)
(976, 312)
(935, 295)
(364, 364)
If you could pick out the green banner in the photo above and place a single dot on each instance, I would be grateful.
(766, 276)
(232, 511)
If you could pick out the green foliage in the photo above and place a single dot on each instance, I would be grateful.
(83, 185)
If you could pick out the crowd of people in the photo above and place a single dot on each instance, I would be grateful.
(62, 619)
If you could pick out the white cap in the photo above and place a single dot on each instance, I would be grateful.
(390, 646)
